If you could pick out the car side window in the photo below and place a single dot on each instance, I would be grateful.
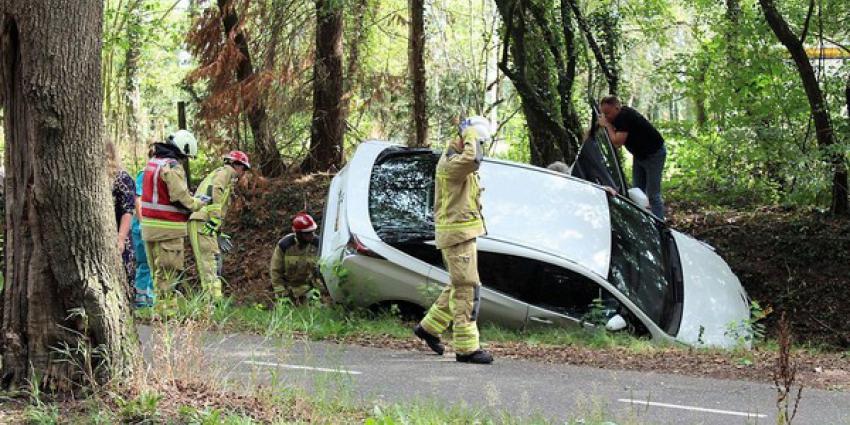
(540, 284)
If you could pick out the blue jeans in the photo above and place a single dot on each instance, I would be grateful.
(145, 296)
(646, 176)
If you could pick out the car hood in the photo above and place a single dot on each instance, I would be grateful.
(714, 300)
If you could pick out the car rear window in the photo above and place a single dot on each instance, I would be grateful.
(401, 197)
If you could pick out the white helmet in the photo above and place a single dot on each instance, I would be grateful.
(184, 141)
(481, 126)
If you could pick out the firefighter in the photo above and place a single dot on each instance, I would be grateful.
(205, 224)
(166, 205)
(293, 265)
(458, 221)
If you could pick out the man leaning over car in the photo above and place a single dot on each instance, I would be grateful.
(458, 221)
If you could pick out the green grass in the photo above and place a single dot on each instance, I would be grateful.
(321, 322)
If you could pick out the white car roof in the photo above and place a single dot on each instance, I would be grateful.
(522, 205)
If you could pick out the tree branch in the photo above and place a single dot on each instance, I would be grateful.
(594, 46)
(808, 19)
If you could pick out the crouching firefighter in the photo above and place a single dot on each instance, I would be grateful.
(293, 265)
(458, 221)
(205, 224)
(166, 205)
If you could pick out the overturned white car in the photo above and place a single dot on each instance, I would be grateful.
(559, 251)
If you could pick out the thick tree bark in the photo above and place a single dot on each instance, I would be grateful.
(64, 281)
(823, 127)
(328, 127)
(416, 65)
(269, 161)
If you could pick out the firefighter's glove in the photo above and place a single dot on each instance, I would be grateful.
(211, 227)
(224, 243)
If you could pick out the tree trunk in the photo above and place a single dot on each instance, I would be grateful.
(270, 163)
(132, 95)
(546, 99)
(823, 127)
(416, 63)
(611, 75)
(362, 10)
(327, 128)
(64, 281)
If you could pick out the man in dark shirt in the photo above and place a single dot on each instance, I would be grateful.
(627, 127)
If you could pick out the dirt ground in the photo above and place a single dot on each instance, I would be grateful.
(797, 262)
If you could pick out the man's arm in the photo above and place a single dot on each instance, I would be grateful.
(468, 161)
(618, 138)
(175, 179)
(277, 269)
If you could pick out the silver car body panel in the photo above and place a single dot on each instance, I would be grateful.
(714, 300)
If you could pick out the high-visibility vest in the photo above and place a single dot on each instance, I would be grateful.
(155, 200)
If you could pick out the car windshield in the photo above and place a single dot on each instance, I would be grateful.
(401, 197)
(638, 260)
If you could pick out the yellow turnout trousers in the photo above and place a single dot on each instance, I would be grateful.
(206, 251)
(165, 258)
(459, 302)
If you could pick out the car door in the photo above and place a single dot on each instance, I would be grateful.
(497, 305)
(565, 298)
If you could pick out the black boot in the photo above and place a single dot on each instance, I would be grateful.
(477, 356)
(432, 341)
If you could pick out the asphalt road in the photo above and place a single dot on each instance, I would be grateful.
(520, 388)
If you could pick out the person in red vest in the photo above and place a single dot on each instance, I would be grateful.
(166, 205)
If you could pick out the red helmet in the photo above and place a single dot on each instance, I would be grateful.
(303, 222)
(238, 156)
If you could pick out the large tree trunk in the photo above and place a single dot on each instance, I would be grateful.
(64, 282)
(823, 127)
(269, 162)
(328, 126)
(416, 63)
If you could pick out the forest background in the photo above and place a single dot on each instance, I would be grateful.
(710, 74)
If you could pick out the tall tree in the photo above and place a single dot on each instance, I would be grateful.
(820, 115)
(64, 282)
(416, 66)
(608, 68)
(554, 129)
(132, 93)
(327, 129)
(269, 160)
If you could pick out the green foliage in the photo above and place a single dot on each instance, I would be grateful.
(143, 409)
(192, 416)
(752, 330)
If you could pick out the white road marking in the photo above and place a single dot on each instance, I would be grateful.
(299, 367)
(696, 409)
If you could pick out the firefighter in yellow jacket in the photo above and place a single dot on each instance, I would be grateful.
(293, 264)
(458, 221)
(205, 224)
(165, 206)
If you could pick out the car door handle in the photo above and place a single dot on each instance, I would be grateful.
(540, 320)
